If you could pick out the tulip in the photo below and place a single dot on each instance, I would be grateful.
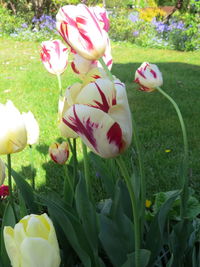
(4, 191)
(101, 116)
(32, 127)
(148, 77)
(59, 152)
(80, 65)
(32, 242)
(13, 134)
(82, 31)
(2, 172)
(54, 56)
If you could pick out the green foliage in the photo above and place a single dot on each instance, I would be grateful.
(8, 22)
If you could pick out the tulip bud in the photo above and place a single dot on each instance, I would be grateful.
(32, 127)
(2, 172)
(59, 152)
(32, 242)
(13, 134)
(54, 56)
(148, 77)
(4, 191)
(81, 30)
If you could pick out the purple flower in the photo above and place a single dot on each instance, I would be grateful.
(134, 17)
(136, 33)
(24, 25)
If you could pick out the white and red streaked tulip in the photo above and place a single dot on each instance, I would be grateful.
(148, 76)
(54, 55)
(82, 31)
(81, 65)
(32, 127)
(102, 16)
(59, 153)
(13, 134)
(101, 117)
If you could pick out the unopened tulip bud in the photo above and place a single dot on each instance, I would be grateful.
(54, 56)
(59, 152)
(4, 191)
(148, 76)
(32, 242)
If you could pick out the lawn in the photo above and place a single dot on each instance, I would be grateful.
(25, 81)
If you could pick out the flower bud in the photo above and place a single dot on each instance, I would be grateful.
(148, 76)
(59, 152)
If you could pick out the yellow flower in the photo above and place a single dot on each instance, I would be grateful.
(167, 150)
(148, 203)
(32, 242)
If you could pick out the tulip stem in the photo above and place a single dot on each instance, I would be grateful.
(86, 168)
(32, 166)
(74, 160)
(10, 186)
(136, 220)
(142, 175)
(105, 67)
(184, 185)
(68, 190)
(59, 84)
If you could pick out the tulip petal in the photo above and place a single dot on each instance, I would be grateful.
(11, 246)
(36, 251)
(97, 129)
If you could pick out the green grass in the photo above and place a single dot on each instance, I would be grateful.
(25, 81)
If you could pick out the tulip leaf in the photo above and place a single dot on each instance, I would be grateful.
(71, 227)
(104, 171)
(155, 235)
(116, 241)
(87, 213)
(144, 259)
(26, 191)
(8, 220)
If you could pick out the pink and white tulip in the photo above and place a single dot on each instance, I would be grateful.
(82, 31)
(54, 55)
(148, 76)
(59, 153)
(101, 116)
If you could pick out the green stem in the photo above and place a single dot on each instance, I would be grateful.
(127, 178)
(86, 168)
(68, 190)
(106, 69)
(142, 175)
(32, 166)
(185, 192)
(59, 84)
(74, 160)
(10, 186)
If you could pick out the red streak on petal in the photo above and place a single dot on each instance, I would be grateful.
(96, 76)
(141, 73)
(104, 106)
(109, 62)
(94, 19)
(53, 157)
(86, 128)
(69, 20)
(57, 48)
(114, 135)
(147, 65)
(73, 66)
(153, 73)
(81, 20)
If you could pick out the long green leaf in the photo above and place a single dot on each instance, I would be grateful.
(26, 191)
(144, 258)
(87, 214)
